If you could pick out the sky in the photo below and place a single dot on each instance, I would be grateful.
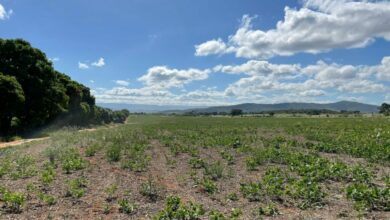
(206, 53)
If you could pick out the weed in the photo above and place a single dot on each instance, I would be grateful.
(209, 186)
(126, 207)
(216, 215)
(110, 191)
(251, 191)
(91, 150)
(72, 161)
(113, 153)
(232, 197)
(47, 199)
(13, 201)
(196, 163)
(268, 210)
(76, 187)
(215, 170)
(150, 190)
(174, 209)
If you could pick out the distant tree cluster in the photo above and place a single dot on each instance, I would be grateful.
(33, 93)
(385, 109)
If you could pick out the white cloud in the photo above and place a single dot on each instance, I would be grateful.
(83, 66)
(122, 82)
(261, 81)
(260, 68)
(316, 27)
(164, 77)
(99, 63)
(384, 69)
(4, 14)
(212, 47)
(54, 59)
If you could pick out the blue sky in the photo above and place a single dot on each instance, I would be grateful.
(183, 52)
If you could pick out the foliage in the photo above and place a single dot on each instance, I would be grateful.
(33, 93)
(126, 207)
(13, 201)
(150, 190)
(76, 187)
(175, 210)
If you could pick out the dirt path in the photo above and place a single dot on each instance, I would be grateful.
(20, 142)
(24, 141)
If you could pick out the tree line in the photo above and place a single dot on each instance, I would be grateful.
(33, 93)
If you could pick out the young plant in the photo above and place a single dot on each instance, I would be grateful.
(76, 187)
(214, 171)
(150, 190)
(126, 207)
(110, 191)
(13, 201)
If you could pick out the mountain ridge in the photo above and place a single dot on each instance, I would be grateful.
(256, 107)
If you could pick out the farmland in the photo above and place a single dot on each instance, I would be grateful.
(175, 167)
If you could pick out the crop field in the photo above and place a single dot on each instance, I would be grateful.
(176, 167)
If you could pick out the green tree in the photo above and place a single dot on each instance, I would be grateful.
(236, 112)
(385, 109)
(12, 101)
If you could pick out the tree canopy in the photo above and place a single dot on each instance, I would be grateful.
(385, 109)
(34, 94)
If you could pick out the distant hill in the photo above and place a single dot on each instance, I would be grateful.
(144, 108)
(252, 107)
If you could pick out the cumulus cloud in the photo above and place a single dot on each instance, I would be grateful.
(122, 82)
(316, 27)
(308, 81)
(384, 69)
(83, 66)
(261, 81)
(99, 63)
(165, 77)
(212, 47)
(4, 14)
